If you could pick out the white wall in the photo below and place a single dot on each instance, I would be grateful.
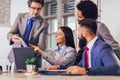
(110, 15)
(4, 42)
(17, 6)
(5, 47)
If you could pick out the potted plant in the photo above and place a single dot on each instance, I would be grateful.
(30, 64)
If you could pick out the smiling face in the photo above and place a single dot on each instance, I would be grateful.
(35, 9)
(60, 37)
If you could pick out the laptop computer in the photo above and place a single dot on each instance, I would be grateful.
(21, 55)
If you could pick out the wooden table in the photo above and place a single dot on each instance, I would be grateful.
(22, 76)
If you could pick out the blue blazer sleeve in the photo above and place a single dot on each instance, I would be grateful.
(106, 70)
(103, 61)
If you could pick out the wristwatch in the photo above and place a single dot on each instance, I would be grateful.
(58, 67)
(87, 70)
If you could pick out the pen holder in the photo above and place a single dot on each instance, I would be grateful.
(30, 68)
(30, 64)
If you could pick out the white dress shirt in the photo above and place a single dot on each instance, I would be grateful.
(90, 45)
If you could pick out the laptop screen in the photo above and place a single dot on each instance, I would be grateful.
(21, 55)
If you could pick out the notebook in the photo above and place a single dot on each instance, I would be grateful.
(21, 54)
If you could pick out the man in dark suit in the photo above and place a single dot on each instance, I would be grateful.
(30, 27)
(97, 58)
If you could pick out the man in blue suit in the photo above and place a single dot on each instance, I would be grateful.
(100, 60)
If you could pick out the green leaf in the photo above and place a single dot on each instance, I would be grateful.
(30, 61)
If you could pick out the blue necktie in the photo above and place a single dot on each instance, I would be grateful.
(27, 31)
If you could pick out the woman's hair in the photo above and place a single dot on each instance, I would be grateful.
(38, 1)
(88, 8)
(68, 36)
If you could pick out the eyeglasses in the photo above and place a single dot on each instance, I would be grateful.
(34, 8)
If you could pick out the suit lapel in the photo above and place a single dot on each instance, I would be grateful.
(24, 22)
(94, 46)
(82, 62)
(93, 51)
(36, 26)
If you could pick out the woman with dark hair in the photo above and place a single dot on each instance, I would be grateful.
(68, 35)
(64, 54)
(88, 9)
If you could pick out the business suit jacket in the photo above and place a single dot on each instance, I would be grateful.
(104, 34)
(66, 59)
(37, 35)
(102, 59)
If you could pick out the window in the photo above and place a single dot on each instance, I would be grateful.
(71, 22)
(50, 14)
(53, 8)
(53, 25)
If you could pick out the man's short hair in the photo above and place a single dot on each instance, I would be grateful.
(38, 1)
(90, 24)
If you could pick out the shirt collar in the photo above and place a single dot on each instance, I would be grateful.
(32, 18)
(90, 44)
(60, 49)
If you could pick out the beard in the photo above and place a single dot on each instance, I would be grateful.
(82, 42)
